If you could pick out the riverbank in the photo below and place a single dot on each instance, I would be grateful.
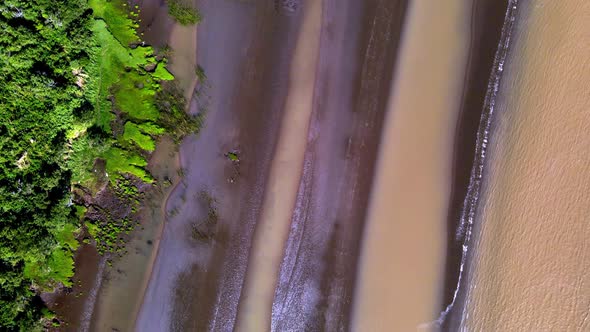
(121, 297)
(110, 288)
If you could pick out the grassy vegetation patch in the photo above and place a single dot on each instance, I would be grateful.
(111, 61)
(151, 128)
(65, 236)
(84, 150)
(119, 83)
(120, 161)
(134, 96)
(58, 267)
(162, 74)
(133, 134)
(117, 14)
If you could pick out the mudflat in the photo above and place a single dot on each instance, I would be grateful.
(245, 49)
(272, 228)
(357, 52)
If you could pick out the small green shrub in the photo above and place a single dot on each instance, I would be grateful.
(183, 13)
(170, 102)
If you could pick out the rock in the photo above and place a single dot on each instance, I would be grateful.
(150, 67)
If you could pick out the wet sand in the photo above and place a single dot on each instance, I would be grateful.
(245, 49)
(122, 289)
(183, 42)
(530, 268)
(250, 81)
(272, 228)
(76, 307)
(399, 291)
(355, 66)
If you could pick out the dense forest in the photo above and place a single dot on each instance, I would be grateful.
(41, 44)
(76, 87)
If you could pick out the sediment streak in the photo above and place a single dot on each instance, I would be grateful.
(254, 312)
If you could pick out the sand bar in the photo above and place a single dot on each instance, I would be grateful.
(403, 250)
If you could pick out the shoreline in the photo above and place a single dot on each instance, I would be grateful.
(484, 42)
(452, 316)
(159, 232)
(187, 80)
(190, 91)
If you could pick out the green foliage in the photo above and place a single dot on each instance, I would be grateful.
(183, 13)
(92, 229)
(162, 74)
(84, 150)
(80, 212)
(75, 101)
(108, 67)
(200, 72)
(43, 45)
(59, 266)
(65, 236)
(116, 14)
(136, 102)
(133, 134)
(121, 161)
(151, 128)
(173, 118)
(119, 88)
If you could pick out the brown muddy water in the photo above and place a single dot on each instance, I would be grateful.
(530, 269)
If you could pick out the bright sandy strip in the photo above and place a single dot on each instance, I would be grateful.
(254, 312)
(402, 258)
(532, 262)
(183, 40)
